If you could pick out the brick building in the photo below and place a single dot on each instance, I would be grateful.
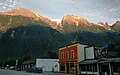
(70, 57)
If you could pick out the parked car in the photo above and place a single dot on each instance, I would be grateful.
(38, 70)
(30, 70)
(2, 67)
(19, 69)
(12, 68)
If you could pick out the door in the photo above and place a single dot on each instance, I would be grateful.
(67, 68)
(76, 69)
(105, 68)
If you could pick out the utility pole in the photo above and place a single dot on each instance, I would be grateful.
(16, 65)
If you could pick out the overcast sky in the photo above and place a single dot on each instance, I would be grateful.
(93, 10)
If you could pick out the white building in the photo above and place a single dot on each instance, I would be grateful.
(46, 64)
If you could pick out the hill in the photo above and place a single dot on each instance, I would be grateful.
(30, 40)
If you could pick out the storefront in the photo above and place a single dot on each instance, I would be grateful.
(70, 67)
(68, 59)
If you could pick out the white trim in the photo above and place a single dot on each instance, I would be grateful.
(110, 69)
(88, 72)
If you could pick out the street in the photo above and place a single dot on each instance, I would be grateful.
(14, 72)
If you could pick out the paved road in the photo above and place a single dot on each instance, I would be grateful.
(13, 72)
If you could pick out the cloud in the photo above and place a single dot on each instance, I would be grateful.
(1, 4)
(8, 4)
(92, 10)
(4, 7)
(113, 9)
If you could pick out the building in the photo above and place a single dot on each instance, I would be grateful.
(28, 64)
(70, 57)
(46, 64)
(88, 60)
(104, 63)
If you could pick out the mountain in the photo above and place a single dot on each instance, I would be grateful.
(116, 26)
(104, 25)
(23, 32)
(23, 12)
(75, 20)
(70, 23)
(23, 17)
(30, 40)
(73, 23)
(37, 41)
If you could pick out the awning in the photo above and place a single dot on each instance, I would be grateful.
(115, 59)
(88, 62)
(105, 60)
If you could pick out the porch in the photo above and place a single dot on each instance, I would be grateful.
(103, 66)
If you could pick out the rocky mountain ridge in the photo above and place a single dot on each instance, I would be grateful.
(75, 20)
(67, 19)
(22, 12)
(105, 25)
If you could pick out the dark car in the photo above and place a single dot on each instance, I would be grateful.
(30, 70)
(19, 69)
(38, 70)
(12, 68)
(2, 67)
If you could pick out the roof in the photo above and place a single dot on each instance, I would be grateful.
(115, 59)
(103, 60)
(72, 44)
(68, 45)
(91, 61)
(29, 61)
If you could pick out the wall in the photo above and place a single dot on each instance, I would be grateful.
(48, 64)
(62, 50)
(89, 52)
(81, 55)
(68, 49)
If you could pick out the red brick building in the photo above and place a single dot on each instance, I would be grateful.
(69, 59)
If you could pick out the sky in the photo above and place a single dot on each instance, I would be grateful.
(93, 10)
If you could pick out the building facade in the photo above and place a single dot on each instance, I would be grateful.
(50, 65)
(87, 60)
(103, 62)
(70, 57)
(28, 64)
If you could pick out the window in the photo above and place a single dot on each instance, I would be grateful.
(89, 68)
(62, 55)
(62, 67)
(72, 54)
(66, 54)
(83, 68)
(72, 68)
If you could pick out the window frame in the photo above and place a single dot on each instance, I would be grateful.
(72, 54)
(67, 54)
(62, 55)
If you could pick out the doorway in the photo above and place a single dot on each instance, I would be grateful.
(76, 69)
(105, 68)
(67, 68)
